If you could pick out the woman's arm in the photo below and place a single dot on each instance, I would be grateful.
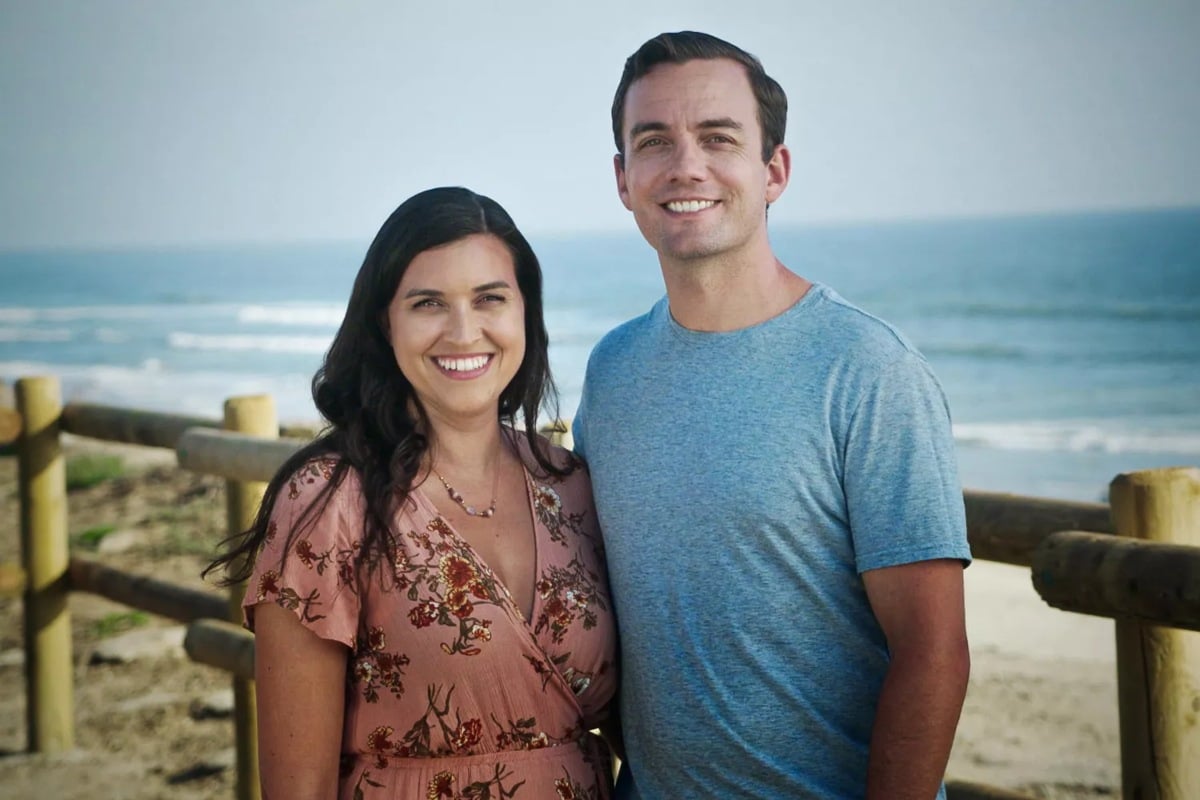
(301, 682)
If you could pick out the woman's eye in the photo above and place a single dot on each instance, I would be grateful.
(492, 298)
(427, 302)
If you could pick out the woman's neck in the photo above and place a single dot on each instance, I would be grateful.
(471, 453)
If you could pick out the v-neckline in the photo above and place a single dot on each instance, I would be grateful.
(432, 509)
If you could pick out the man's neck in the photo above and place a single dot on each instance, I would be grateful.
(725, 294)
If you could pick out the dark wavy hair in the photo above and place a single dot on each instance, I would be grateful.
(374, 421)
(684, 46)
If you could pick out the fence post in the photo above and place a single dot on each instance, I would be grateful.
(254, 415)
(1158, 668)
(42, 476)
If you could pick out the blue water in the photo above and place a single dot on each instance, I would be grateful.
(1069, 346)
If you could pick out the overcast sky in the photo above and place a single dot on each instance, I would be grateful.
(184, 122)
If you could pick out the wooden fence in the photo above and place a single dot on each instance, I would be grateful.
(1137, 562)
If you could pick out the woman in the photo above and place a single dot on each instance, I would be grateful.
(428, 590)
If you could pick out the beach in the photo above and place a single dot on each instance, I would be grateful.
(1040, 715)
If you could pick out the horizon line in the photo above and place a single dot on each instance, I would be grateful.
(531, 231)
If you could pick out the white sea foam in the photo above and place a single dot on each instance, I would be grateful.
(182, 340)
(19, 315)
(15, 315)
(111, 336)
(150, 386)
(40, 335)
(324, 314)
(76, 313)
(1077, 436)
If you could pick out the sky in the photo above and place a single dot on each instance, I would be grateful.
(154, 122)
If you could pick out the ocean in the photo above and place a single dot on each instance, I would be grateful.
(1068, 346)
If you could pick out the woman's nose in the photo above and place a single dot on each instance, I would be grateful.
(463, 326)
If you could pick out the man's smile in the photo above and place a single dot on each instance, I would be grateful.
(688, 206)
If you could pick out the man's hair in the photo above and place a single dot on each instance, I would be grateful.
(684, 46)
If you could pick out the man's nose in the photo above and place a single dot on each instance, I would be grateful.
(688, 162)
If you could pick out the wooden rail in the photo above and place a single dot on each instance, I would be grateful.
(236, 456)
(1137, 562)
(148, 594)
(222, 645)
(1008, 527)
(112, 424)
(1112, 576)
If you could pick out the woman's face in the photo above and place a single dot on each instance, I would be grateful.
(457, 327)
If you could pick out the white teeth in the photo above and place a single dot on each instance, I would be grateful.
(686, 206)
(462, 364)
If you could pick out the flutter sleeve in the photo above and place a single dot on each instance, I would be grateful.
(309, 561)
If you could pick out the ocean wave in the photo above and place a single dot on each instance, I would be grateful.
(15, 315)
(34, 335)
(326, 315)
(979, 350)
(180, 340)
(77, 313)
(152, 387)
(1100, 355)
(25, 315)
(1158, 312)
(1076, 436)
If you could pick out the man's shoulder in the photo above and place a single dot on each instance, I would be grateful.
(626, 336)
(860, 334)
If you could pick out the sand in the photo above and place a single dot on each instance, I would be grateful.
(1040, 715)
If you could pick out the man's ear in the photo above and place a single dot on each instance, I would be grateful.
(622, 189)
(779, 169)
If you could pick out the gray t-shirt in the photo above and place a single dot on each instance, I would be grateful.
(743, 481)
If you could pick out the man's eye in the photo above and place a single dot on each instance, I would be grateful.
(653, 141)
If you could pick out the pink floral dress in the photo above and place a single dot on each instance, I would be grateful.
(450, 691)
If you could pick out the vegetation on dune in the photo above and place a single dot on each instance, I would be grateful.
(91, 469)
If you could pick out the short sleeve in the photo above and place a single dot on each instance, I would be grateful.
(309, 561)
(903, 495)
(578, 437)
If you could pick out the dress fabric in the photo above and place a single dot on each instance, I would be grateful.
(450, 692)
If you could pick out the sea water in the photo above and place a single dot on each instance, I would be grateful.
(1068, 346)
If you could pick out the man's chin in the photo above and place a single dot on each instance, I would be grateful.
(690, 250)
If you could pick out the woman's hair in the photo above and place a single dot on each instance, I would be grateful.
(375, 422)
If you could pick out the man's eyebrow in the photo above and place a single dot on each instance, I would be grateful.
(726, 123)
(722, 122)
(643, 127)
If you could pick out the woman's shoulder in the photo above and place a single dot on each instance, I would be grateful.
(571, 485)
(562, 459)
(325, 479)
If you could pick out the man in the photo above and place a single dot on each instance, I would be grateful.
(775, 478)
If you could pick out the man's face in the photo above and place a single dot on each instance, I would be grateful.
(693, 174)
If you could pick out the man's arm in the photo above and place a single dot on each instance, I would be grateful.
(920, 609)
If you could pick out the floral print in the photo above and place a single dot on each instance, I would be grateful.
(442, 666)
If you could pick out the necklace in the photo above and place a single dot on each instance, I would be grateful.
(458, 498)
